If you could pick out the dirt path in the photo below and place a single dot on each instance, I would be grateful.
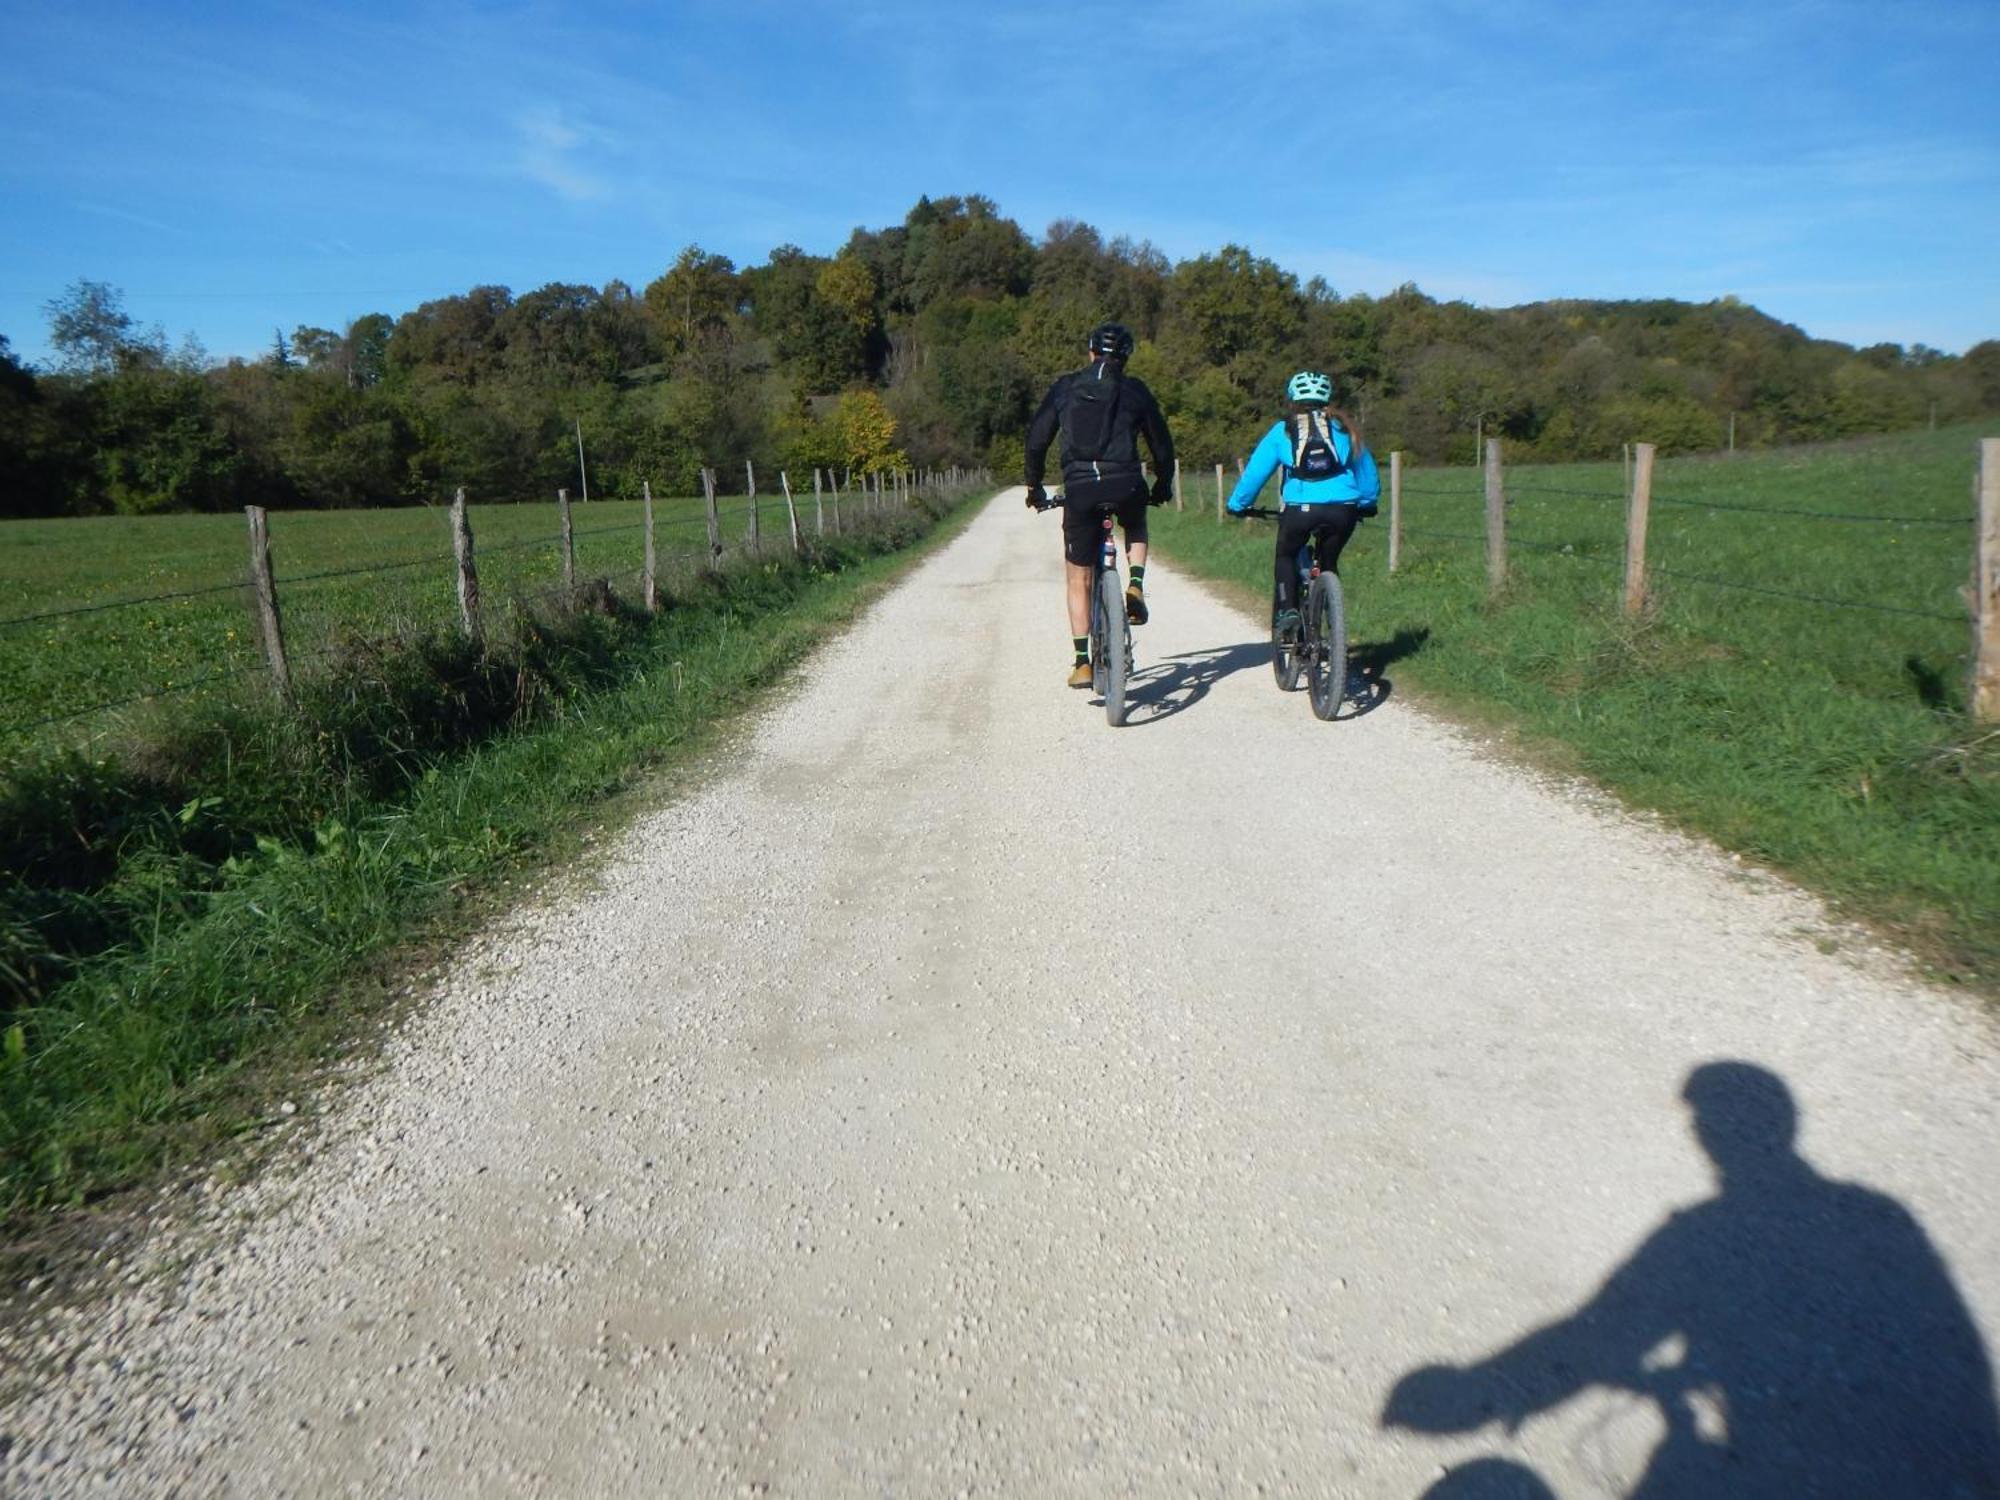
(963, 1097)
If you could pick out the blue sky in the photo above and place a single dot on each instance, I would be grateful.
(240, 168)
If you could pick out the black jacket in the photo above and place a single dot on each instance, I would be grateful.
(1138, 415)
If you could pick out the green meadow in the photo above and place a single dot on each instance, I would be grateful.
(164, 606)
(1795, 688)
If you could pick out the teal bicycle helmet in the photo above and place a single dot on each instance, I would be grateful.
(1309, 385)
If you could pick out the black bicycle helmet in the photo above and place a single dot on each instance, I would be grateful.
(1112, 340)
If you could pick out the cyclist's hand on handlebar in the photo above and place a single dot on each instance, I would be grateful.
(1038, 498)
(1163, 491)
(1439, 1398)
(1368, 508)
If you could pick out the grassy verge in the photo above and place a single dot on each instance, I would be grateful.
(1827, 742)
(247, 924)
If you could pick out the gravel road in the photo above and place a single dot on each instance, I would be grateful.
(957, 1096)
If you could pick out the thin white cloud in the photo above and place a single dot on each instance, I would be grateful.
(108, 211)
(550, 145)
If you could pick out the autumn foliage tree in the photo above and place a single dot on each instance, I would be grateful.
(927, 341)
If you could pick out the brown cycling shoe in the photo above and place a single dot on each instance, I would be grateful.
(1079, 675)
(1135, 605)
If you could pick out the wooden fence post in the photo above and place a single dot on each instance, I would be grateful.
(568, 542)
(791, 511)
(819, 506)
(1395, 509)
(468, 573)
(714, 517)
(1635, 530)
(1218, 492)
(833, 483)
(750, 482)
(1985, 695)
(1496, 520)
(264, 600)
(1180, 500)
(652, 579)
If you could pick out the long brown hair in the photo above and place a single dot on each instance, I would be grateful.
(1297, 409)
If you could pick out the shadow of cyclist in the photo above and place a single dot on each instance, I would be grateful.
(1368, 685)
(1176, 683)
(1800, 1336)
(1489, 1479)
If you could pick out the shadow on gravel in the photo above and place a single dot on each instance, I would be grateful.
(1372, 659)
(1490, 1479)
(1798, 1336)
(1175, 683)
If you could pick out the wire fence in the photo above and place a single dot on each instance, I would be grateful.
(87, 649)
(1579, 547)
(1892, 555)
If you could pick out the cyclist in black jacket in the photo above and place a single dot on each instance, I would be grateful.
(1101, 413)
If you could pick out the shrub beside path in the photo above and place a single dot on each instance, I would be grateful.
(954, 1095)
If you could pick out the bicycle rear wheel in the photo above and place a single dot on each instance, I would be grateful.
(1111, 645)
(1326, 635)
(1286, 664)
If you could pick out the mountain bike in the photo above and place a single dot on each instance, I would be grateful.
(1312, 648)
(1110, 629)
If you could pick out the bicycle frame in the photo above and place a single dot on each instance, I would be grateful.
(1110, 629)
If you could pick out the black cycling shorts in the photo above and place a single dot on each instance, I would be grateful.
(1325, 527)
(1083, 515)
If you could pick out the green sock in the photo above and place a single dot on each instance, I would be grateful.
(1137, 572)
(1082, 645)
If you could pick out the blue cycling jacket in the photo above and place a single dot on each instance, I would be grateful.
(1356, 484)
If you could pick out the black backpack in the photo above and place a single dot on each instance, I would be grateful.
(1313, 455)
(1090, 419)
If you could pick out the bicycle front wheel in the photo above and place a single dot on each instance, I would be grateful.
(1111, 645)
(1326, 633)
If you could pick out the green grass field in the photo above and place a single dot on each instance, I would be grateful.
(197, 905)
(55, 666)
(1828, 741)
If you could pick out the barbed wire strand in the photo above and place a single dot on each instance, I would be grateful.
(1538, 491)
(91, 609)
(1758, 588)
(1654, 571)
(1819, 515)
(166, 692)
(442, 560)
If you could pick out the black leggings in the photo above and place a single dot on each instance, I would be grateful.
(1326, 526)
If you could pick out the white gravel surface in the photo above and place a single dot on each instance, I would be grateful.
(959, 1096)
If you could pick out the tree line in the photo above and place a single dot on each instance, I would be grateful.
(927, 343)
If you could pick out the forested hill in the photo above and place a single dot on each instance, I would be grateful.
(926, 342)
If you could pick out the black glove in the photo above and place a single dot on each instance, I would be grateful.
(1038, 498)
(1163, 491)
(1368, 508)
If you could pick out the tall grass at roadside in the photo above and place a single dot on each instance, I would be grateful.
(242, 867)
(1828, 742)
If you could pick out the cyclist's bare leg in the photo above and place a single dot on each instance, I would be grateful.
(1078, 583)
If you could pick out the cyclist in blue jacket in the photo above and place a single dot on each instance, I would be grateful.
(1329, 483)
